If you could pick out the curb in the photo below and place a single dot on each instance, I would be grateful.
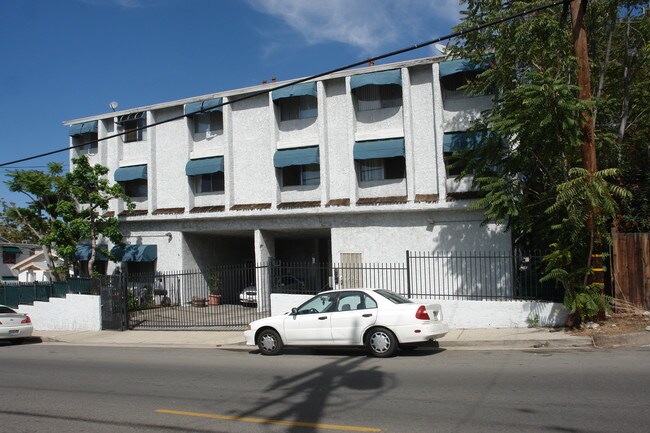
(519, 344)
(636, 339)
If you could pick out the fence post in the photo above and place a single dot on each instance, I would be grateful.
(408, 275)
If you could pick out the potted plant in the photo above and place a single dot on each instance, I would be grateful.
(214, 285)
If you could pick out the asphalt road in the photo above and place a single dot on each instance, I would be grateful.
(55, 388)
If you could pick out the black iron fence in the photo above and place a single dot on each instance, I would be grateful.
(229, 297)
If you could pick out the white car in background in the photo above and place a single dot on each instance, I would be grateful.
(14, 326)
(377, 319)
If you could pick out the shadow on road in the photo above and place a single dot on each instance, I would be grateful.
(303, 398)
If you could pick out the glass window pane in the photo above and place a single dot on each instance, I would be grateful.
(308, 107)
(311, 174)
(394, 168)
(291, 176)
(371, 169)
(201, 122)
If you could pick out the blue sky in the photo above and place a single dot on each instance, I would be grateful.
(68, 59)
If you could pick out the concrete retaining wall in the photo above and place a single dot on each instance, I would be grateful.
(72, 313)
(469, 314)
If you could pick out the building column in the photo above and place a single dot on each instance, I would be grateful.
(264, 250)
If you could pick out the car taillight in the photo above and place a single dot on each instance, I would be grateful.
(26, 320)
(422, 313)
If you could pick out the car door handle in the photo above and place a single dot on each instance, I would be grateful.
(367, 315)
(322, 318)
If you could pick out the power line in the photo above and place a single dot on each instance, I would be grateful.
(310, 78)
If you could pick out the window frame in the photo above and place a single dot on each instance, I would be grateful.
(132, 130)
(298, 107)
(213, 122)
(135, 186)
(87, 142)
(377, 97)
(299, 172)
(388, 167)
(216, 180)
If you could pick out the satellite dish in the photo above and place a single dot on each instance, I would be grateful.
(441, 48)
(113, 105)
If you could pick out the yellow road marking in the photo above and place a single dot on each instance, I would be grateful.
(269, 421)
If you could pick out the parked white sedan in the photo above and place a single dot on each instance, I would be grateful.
(14, 326)
(378, 319)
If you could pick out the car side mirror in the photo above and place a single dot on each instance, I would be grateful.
(294, 311)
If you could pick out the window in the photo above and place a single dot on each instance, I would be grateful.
(451, 85)
(381, 169)
(454, 144)
(8, 257)
(296, 175)
(136, 188)
(375, 97)
(355, 301)
(319, 304)
(204, 122)
(88, 143)
(132, 125)
(298, 107)
(452, 164)
(210, 182)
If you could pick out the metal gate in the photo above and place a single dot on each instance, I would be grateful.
(224, 298)
(114, 314)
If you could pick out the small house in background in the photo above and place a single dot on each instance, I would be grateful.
(11, 255)
(34, 268)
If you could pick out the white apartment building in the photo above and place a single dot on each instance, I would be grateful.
(353, 167)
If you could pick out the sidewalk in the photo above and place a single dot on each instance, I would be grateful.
(462, 339)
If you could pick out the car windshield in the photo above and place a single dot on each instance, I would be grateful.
(393, 297)
(4, 309)
(318, 304)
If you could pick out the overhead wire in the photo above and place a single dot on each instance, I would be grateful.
(309, 78)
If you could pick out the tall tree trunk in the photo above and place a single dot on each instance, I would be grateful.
(588, 138)
(625, 109)
(605, 64)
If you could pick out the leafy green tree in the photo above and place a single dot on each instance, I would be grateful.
(65, 209)
(44, 192)
(530, 165)
(86, 217)
(11, 229)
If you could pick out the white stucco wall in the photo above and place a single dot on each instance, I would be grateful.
(385, 238)
(468, 314)
(72, 313)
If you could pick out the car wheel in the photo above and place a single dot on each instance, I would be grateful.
(269, 342)
(381, 342)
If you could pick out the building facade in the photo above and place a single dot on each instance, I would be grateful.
(353, 167)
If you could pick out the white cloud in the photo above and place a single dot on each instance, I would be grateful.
(370, 25)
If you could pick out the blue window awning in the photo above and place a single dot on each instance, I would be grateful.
(83, 128)
(136, 253)
(384, 78)
(207, 106)
(299, 156)
(204, 166)
(131, 116)
(459, 141)
(14, 250)
(302, 89)
(453, 67)
(124, 174)
(379, 148)
(82, 252)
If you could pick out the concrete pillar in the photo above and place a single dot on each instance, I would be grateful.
(264, 250)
